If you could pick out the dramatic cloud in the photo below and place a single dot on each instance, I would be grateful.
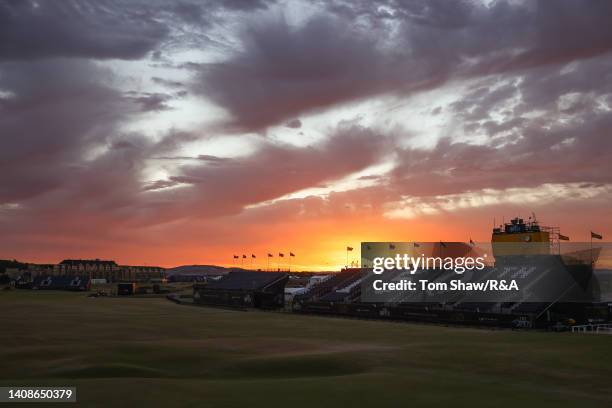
(42, 29)
(553, 156)
(228, 186)
(283, 70)
(52, 114)
(188, 128)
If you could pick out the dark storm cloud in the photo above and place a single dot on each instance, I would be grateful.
(99, 29)
(192, 13)
(282, 70)
(91, 202)
(51, 114)
(63, 156)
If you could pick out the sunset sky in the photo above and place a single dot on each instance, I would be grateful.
(162, 133)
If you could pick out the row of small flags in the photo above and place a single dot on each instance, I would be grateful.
(280, 254)
(472, 243)
(416, 245)
(593, 235)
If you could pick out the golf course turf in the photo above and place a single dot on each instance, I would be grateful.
(122, 352)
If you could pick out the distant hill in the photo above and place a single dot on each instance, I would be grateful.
(200, 270)
(187, 270)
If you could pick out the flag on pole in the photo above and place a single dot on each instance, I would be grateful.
(349, 248)
(236, 257)
(253, 256)
(442, 244)
(391, 246)
(472, 243)
(291, 254)
(416, 244)
(281, 254)
(270, 256)
(596, 236)
(243, 256)
(563, 237)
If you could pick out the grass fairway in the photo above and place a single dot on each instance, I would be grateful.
(151, 352)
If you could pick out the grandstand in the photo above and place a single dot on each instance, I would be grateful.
(340, 294)
(328, 288)
(243, 289)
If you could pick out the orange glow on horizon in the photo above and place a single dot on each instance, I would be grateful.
(319, 244)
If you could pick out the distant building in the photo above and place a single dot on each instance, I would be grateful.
(143, 273)
(92, 268)
(95, 270)
(109, 270)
